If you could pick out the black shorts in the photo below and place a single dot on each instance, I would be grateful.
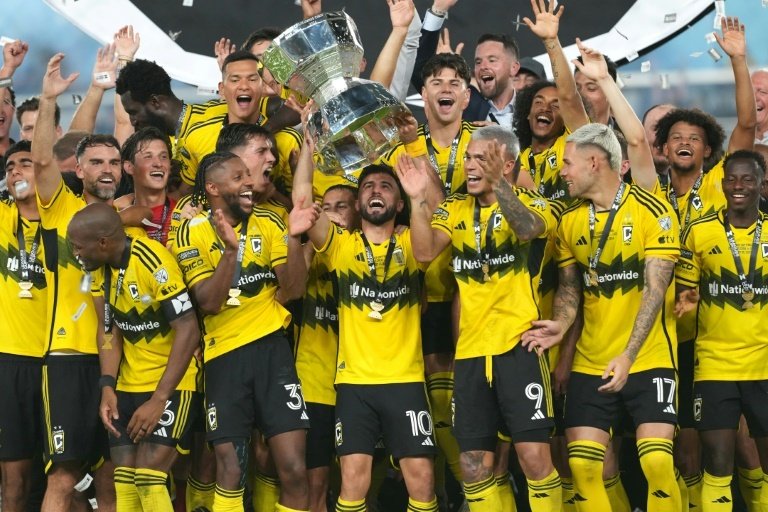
(174, 427)
(254, 386)
(20, 406)
(436, 332)
(71, 396)
(648, 396)
(558, 402)
(320, 436)
(719, 405)
(399, 412)
(685, 384)
(520, 396)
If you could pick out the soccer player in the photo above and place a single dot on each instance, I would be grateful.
(497, 235)
(616, 251)
(23, 294)
(721, 275)
(148, 375)
(74, 438)
(379, 384)
(240, 266)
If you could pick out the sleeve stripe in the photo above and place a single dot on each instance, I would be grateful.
(142, 250)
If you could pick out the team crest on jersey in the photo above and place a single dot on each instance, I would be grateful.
(256, 244)
(764, 249)
(539, 204)
(133, 289)
(161, 275)
(213, 423)
(58, 440)
(665, 222)
(697, 409)
(552, 161)
(626, 234)
(496, 221)
(696, 203)
(397, 255)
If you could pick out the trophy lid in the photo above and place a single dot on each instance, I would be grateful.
(315, 51)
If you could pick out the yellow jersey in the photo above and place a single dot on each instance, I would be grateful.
(644, 226)
(151, 295)
(71, 316)
(198, 251)
(373, 351)
(544, 169)
(731, 342)
(499, 284)
(319, 337)
(23, 322)
(549, 277)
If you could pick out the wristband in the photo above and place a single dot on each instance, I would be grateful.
(107, 381)
(123, 57)
(6, 82)
(437, 12)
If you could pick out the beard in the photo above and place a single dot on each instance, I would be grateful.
(233, 204)
(102, 193)
(378, 219)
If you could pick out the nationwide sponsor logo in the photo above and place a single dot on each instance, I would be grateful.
(136, 328)
(255, 278)
(460, 264)
(355, 291)
(322, 313)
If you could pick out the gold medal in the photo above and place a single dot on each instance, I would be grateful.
(233, 300)
(25, 292)
(107, 345)
(748, 298)
(748, 305)
(592, 277)
(486, 269)
(376, 308)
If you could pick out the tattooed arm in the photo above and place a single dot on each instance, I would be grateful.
(658, 275)
(547, 333)
(526, 224)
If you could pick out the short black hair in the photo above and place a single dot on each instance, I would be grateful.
(209, 163)
(744, 154)
(136, 140)
(440, 61)
(372, 169)
(611, 66)
(712, 129)
(33, 105)
(18, 147)
(523, 103)
(509, 42)
(236, 135)
(238, 56)
(143, 79)
(99, 139)
(342, 186)
(261, 34)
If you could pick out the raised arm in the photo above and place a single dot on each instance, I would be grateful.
(13, 57)
(426, 241)
(546, 28)
(310, 8)
(658, 275)
(302, 191)
(430, 37)
(103, 78)
(406, 60)
(638, 148)
(401, 14)
(734, 43)
(127, 43)
(47, 174)
(292, 276)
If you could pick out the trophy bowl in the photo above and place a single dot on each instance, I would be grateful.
(353, 122)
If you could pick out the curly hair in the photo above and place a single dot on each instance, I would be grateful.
(523, 104)
(712, 130)
(143, 79)
(440, 61)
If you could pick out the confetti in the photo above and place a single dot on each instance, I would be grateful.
(718, 21)
(516, 22)
(664, 81)
(187, 3)
(765, 3)
(715, 56)
(710, 37)
(77, 99)
(696, 55)
(670, 18)
(94, 504)
(620, 82)
(720, 7)
(84, 484)
(5, 40)
(174, 35)
(206, 91)
(645, 66)
(632, 56)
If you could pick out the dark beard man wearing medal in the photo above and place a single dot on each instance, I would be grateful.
(380, 367)
(722, 275)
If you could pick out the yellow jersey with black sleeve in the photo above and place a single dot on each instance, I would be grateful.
(71, 317)
(198, 251)
(176, 219)
(199, 130)
(319, 337)
(499, 280)
(643, 226)
(379, 311)
(23, 321)
(544, 169)
(146, 294)
(732, 335)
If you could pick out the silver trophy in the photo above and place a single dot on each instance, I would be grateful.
(353, 124)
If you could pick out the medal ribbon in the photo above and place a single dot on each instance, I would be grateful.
(593, 260)
(747, 279)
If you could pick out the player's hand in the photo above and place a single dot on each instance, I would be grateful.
(337, 219)
(135, 215)
(225, 231)
(311, 8)
(127, 42)
(734, 38)
(542, 335)
(562, 375)
(493, 162)
(222, 49)
(444, 44)
(413, 176)
(14, 53)
(401, 13)
(302, 218)
(108, 410)
(407, 127)
(687, 301)
(619, 367)
(594, 66)
(547, 19)
(105, 69)
(54, 83)
(145, 419)
(189, 211)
